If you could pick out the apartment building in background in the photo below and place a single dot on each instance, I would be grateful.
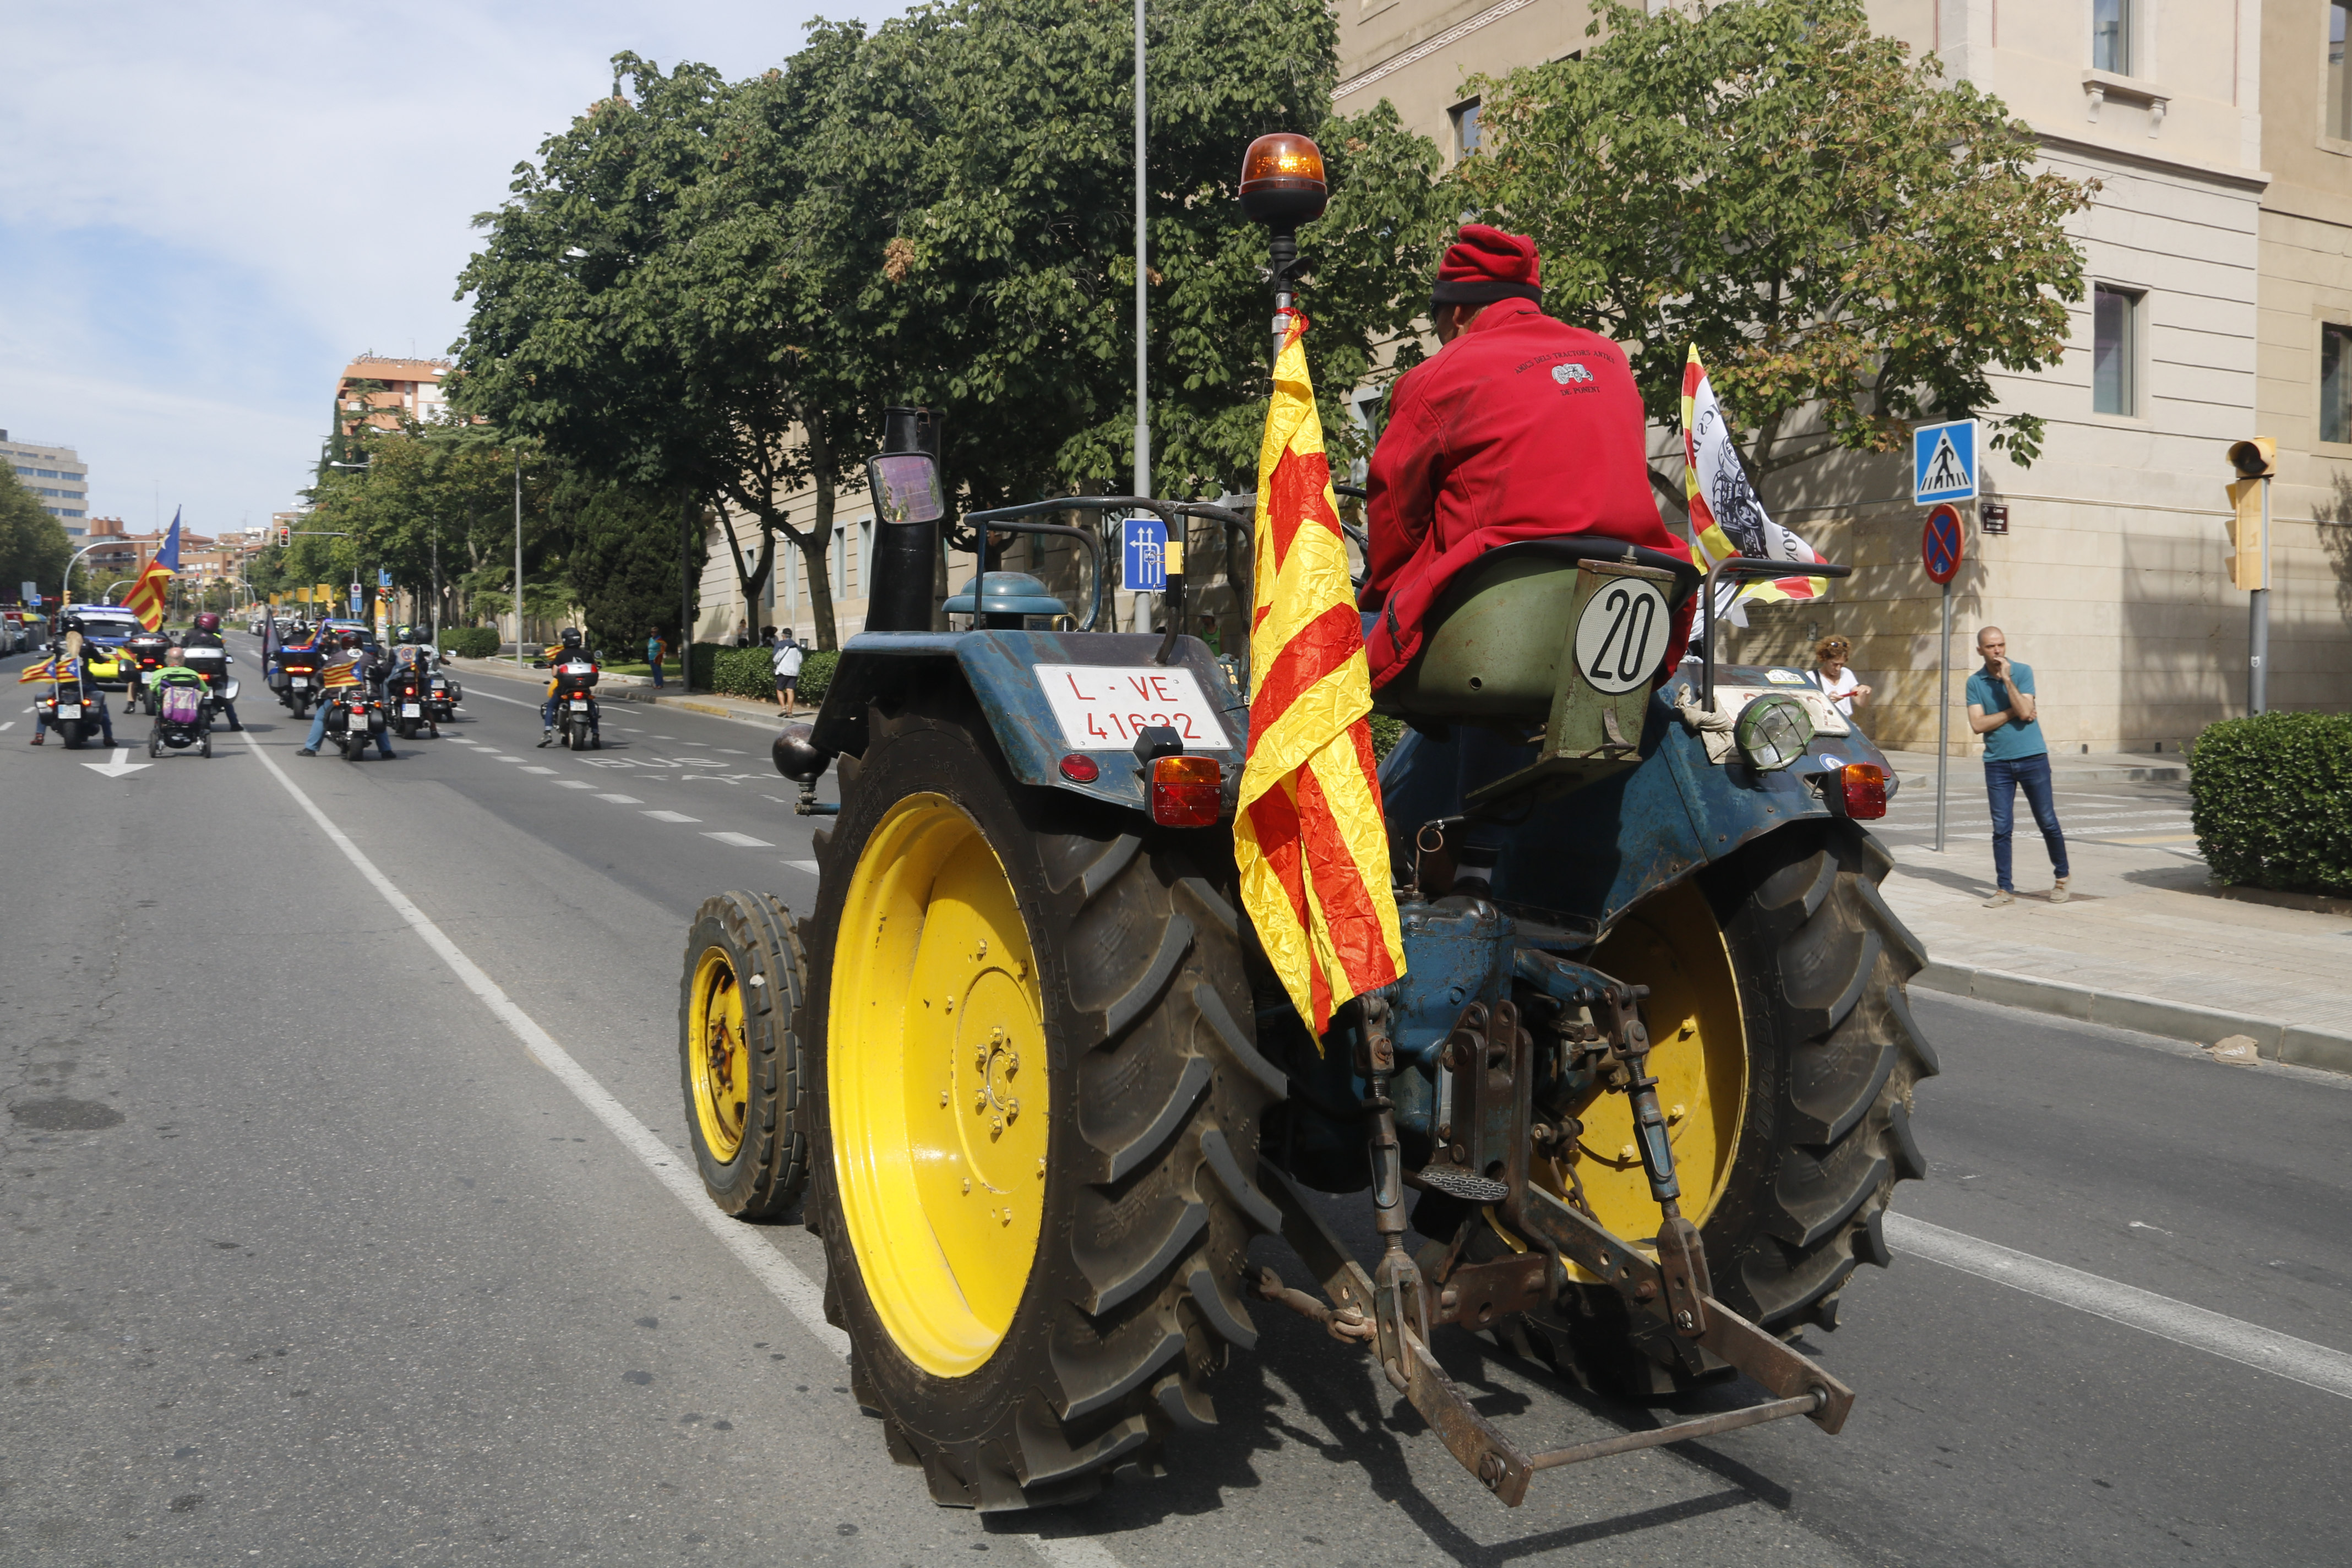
(378, 392)
(2219, 306)
(55, 475)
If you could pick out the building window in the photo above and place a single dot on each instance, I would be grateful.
(2111, 30)
(2115, 352)
(1466, 128)
(2334, 381)
(2339, 96)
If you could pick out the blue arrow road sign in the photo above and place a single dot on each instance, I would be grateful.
(1143, 555)
(1944, 462)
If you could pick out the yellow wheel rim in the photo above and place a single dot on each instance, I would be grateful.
(722, 1061)
(1698, 1055)
(935, 1073)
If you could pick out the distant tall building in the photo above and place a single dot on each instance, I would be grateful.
(53, 473)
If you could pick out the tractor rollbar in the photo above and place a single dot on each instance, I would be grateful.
(1743, 566)
(1009, 519)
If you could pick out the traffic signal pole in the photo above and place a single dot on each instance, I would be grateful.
(2258, 629)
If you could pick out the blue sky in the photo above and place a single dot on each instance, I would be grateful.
(207, 210)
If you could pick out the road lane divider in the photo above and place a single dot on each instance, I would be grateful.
(2283, 1356)
(783, 1279)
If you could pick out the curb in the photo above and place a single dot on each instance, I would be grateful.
(2298, 1044)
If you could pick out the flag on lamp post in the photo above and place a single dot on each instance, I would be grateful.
(1726, 518)
(1308, 838)
(146, 597)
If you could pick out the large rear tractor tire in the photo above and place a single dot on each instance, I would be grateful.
(1795, 1000)
(741, 1011)
(1035, 1107)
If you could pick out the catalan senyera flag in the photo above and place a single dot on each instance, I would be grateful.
(1726, 517)
(1308, 838)
(146, 597)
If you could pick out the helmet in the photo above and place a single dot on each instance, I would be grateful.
(351, 639)
(208, 622)
(572, 636)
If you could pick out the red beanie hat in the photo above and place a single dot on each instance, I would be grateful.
(1484, 264)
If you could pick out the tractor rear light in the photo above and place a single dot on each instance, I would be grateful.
(1080, 768)
(1186, 792)
(1865, 790)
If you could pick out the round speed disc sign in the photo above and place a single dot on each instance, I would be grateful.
(1622, 634)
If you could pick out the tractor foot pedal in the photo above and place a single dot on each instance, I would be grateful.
(1460, 1181)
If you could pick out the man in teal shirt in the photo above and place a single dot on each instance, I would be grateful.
(2001, 709)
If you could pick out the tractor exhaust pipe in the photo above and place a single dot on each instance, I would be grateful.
(906, 550)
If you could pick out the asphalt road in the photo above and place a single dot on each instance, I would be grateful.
(312, 1259)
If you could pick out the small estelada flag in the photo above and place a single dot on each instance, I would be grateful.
(1726, 517)
(50, 669)
(1309, 837)
(146, 597)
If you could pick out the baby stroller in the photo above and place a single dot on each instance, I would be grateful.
(183, 718)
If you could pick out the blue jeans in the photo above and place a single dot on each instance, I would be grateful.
(318, 733)
(658, 680)
(2002, 781)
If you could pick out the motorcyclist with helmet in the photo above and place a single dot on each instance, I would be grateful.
(70, 661)
(354, 656)
(206, 633)
(570, 653)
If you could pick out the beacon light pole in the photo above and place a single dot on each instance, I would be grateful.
(1282, 188)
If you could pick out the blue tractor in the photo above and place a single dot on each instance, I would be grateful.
(1635, 1109)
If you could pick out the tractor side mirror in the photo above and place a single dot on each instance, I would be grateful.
(906, 487)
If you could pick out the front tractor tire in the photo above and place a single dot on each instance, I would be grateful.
(741, 1008)
(1035, 1108)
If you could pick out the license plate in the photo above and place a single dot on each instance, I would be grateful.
(301, 681)
(1102, 706)
(579, 708)
(411, 711)
(68, 710)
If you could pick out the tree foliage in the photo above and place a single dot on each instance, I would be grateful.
(715, 287)
(1850, 244)
(623, 562)
(34, 545)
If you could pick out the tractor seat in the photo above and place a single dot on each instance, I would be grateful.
(1493, 643)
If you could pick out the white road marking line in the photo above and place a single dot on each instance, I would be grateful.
(548, 770)
(621, 799)
(573, 783)
(808, 866)
(783, 1279)
(2299, 1361)
(740, 840)
(497, 756)
(499, 697)
(9, 725)
(670, 817)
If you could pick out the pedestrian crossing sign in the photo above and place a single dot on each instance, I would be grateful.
(1944, 462)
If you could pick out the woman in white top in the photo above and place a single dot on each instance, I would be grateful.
(1843, 687)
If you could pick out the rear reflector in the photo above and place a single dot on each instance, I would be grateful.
(1186, 791)
(1866, 791)
(1080, 768)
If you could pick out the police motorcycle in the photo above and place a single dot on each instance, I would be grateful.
(143, 655)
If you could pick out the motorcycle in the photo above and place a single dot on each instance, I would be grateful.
(71, 710)
(183, 718)
(576, 713)
(417, 695)
(296, 679)
(144, 653)
(212, 663)
(354, 717)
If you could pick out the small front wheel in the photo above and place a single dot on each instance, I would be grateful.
(739, 1029)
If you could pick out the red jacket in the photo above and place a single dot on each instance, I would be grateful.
(1522, 427)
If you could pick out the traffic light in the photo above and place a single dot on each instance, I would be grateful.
(285, 534)
(2256, 460)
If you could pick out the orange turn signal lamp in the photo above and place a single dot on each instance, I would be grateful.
(1864, 785)
(1186, 792)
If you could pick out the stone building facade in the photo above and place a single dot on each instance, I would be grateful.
(2216, 251)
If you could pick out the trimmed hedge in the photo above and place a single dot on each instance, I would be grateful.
(470, 642)
(2271, 797)
(751, 672)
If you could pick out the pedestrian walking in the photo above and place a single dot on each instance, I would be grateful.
(1844, 687)
(654, 651)
(789, 656)
(2002, 709)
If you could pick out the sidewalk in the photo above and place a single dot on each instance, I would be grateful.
(1917, 768)
(2147, 942)
(636, 689)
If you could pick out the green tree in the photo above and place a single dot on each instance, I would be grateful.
(1850, 244)
(34, 545)
(623, 564)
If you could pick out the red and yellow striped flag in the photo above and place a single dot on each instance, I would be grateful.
(1309, 837)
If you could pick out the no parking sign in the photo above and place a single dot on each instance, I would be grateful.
(1940, 543)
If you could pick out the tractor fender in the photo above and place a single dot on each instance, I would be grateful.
(1000, 668)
